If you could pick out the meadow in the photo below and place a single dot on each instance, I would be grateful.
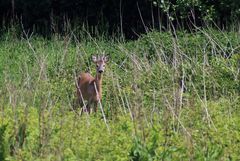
(165, 97)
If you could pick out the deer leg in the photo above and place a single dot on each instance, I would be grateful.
(90, 105)
(79, 103)
(88, 108)
(85, 108)
(95, 107)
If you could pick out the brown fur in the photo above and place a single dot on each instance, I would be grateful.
(89, 88)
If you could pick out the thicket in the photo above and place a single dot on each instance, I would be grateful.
(165, 97)
(122, 17)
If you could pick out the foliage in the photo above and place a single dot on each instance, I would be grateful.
(164, 97)
(123, 17)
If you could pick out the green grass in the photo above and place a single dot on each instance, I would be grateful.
(150, 114)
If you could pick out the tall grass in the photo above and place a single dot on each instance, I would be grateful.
(164, 97)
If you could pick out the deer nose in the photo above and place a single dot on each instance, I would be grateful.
(100, 71)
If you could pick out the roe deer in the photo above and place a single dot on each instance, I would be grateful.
(90, 88)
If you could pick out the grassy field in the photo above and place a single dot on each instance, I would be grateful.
(164, 98)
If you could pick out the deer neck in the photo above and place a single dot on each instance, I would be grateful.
(98, 80)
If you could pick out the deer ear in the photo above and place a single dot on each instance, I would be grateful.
(106, 59)
(94, 59)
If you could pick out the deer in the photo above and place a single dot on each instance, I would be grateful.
(89, 88)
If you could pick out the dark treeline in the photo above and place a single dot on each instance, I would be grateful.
(127, 17)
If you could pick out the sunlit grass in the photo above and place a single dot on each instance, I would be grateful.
(164, 98)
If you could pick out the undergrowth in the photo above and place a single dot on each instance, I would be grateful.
(164, 97)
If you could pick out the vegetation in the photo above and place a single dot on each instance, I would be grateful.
(121, 17)
(164, 97)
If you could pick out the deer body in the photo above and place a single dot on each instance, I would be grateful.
(86, 85)
(89, 88)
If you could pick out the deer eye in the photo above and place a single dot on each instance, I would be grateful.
(97, 65)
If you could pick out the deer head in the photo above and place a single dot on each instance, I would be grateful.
(100, 62)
